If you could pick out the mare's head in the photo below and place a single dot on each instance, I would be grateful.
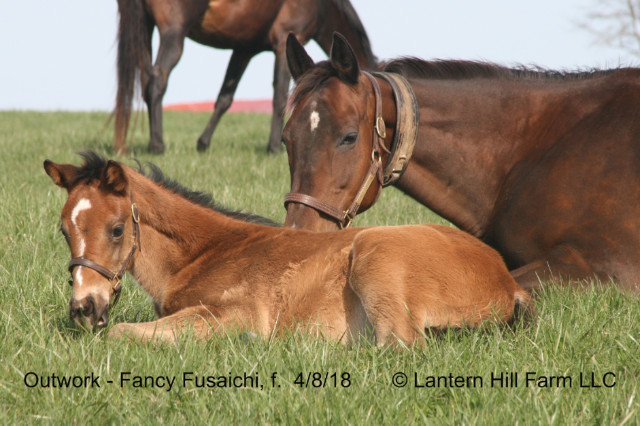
(98, 224)
(329, 137)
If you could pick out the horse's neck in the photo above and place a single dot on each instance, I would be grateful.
(472, 136)
(174, 232)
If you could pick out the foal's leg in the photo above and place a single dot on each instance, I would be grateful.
(169, 53)
(237, 65)
(382, 292)
(202, 320)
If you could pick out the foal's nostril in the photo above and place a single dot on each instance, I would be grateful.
(81, 308)
(88, 306)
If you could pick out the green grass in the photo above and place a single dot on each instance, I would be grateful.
(595, 331)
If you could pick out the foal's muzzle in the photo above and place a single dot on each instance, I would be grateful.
(89, 312)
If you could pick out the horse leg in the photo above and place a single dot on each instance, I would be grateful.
(169, 53)
(200, 319)
(237, 65)
(390, 315)
(560, 263)
(281, 77)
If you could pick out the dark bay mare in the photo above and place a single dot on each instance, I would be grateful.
(543, 166)
(211, 270)
(248, 27)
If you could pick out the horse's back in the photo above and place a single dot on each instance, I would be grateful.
(411, 278)
(587, 181)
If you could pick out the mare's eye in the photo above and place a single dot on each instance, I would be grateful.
(117, 231)
(349, 139)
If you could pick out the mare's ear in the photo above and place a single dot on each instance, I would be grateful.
(61, 174)
(297, 58)
(344, 60)
(113, 178)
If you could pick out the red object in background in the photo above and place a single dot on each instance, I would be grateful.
(262, 105)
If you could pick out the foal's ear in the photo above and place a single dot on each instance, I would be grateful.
(113, 178)
(61, 174)
(343, 59)
(297, 58)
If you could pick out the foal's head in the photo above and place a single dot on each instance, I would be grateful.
(99, 227)
(329, 135)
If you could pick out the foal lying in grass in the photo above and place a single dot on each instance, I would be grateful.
(208, 269)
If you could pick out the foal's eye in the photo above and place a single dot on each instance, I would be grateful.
(349, 139)
(117, 231)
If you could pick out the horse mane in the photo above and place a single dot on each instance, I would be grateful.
(94, 165)
(412, 67)
(460, 70)
(354, 22)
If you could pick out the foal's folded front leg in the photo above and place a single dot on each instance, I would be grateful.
(203, 321)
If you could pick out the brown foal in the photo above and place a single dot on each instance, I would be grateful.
(209, 270)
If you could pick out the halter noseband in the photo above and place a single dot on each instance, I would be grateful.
(399, 155)
(115, 278)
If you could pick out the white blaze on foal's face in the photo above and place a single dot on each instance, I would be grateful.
(314, 117)
(83, 204)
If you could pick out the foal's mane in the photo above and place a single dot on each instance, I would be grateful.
(94, 166)
(412, 67)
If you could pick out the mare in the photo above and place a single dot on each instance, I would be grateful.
(208, 269)
(247, 27)
(543, 166)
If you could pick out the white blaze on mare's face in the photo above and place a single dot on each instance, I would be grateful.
(314, 118)
(82, 205)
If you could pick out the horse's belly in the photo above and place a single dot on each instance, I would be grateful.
(236, 24)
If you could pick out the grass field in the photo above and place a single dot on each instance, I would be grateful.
(577, 363)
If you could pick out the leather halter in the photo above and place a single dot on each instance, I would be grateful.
(115, 278)
(399, 155)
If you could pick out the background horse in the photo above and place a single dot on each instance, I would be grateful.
(211, 269)
(247, 27)
(541, 165)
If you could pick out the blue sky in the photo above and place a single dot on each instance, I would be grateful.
(61, 55)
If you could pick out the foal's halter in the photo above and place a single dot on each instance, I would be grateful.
(401, 149)
(115, 278)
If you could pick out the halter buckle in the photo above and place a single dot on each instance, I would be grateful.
(134, 213)
(348, 218)
(381, 127)
(116, 283)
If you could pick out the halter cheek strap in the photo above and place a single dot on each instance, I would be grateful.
(115, 278)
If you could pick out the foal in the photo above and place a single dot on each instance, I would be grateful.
(211, 270)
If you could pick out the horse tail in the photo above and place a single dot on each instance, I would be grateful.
(134, 44)
(523, 308)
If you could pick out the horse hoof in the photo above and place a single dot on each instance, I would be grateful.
(156, 149)
(274, 150)
(202, 146)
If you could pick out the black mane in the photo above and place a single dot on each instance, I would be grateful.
(412, 67)
(459, 70)
(95, 164)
